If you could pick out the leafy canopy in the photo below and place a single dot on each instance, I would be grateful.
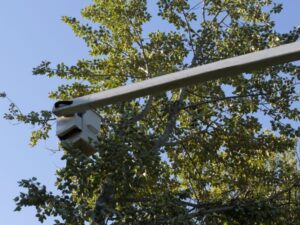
(222, 152)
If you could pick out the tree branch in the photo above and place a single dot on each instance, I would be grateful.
(145, 111)
(171, 121)
(222, 99)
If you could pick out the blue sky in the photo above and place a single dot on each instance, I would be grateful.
(31, 31)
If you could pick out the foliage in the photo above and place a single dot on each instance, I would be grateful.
(42, 119)
(198, 155)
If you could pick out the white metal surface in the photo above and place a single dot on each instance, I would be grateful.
(80, 130)
(68, 124)
(212, 71)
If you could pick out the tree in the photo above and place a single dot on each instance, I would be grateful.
(196, 155)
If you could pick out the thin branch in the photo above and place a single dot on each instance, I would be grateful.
(145, 111)
(171, 122)
(103, 75)
(142, 47)
(204, 12)
(13, 104)
(195, 168)
(224, 18)
(222, 99)
(196, 6)
(217, 14)
(189, 29)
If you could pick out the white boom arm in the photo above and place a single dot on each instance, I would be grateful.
(224, 68)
